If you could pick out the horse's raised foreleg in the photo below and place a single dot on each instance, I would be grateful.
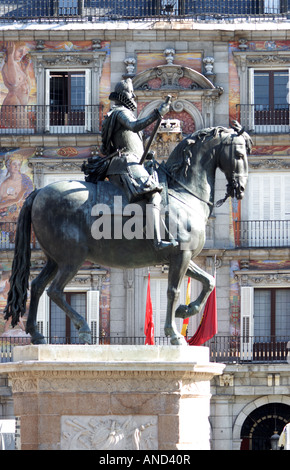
(37, 288)
(177, 269)
(63, 277)
(208, 284)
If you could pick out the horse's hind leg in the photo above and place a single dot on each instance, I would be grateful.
(208, 284)
(64, 275)
(37, 288)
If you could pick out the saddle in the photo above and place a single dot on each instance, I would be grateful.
(107, 192)
(95, 170)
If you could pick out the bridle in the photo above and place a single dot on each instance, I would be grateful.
(231, 187)
(168, 173)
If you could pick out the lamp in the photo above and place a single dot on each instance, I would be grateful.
(274, 439)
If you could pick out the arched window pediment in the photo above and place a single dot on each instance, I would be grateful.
(166, 77)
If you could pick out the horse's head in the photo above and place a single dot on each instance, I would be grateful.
(233, 161)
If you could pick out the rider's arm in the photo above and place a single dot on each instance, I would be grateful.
(128, 121)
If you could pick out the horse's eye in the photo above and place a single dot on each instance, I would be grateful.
(239, 155)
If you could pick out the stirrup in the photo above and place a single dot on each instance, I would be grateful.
(161, 245)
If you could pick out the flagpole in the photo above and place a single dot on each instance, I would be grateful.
(187, 301)
(149, 324)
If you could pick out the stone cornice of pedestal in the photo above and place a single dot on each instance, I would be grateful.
(104, 360)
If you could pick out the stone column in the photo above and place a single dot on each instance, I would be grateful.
(112, 397)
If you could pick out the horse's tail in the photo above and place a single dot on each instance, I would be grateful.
(17, 295)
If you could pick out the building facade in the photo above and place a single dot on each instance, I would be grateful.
(220, 61)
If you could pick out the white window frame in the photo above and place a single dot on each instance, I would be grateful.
(92, 310)
(264, 128)
(268, 199)
(88, 114)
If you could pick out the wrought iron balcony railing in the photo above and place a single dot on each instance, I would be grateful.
(238, 349)
(226, 349)
(8, 232)
(262, 233)
(50, 119)
(264, 119)
(103, 10)
(248, 234)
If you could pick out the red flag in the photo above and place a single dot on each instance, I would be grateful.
(187, 301)
(208, 325)
(149, 325)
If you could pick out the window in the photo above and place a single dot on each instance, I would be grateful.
(62, 329)
(266, 210)
(272, 6)
(67, 100)
(54, 324)
(272, 313)
(270, 99)
(229, 7)
(68, 7)
(265, 323)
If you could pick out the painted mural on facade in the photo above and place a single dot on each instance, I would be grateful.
(234, 300)
(16, 182)
(18, 87)
(18, 91)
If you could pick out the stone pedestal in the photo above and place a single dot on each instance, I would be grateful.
(112, 397)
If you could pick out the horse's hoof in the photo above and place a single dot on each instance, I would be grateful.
(178, 340)
(182, 311)
(85, 337)
(37, 338)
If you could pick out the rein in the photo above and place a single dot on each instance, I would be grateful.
(209, 203)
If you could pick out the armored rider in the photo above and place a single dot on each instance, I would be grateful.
(121, 130)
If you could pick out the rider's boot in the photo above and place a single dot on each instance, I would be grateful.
(158, 243)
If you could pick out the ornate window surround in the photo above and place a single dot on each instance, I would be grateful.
(249, 59)
(84, 60)
(58, 166)
(263, 278)
(182, 98)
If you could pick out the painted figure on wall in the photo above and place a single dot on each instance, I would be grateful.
(15, 74)
(15, 187)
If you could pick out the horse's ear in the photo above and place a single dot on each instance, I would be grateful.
(190, 141)
(237, 127)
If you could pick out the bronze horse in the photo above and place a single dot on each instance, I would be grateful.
(62, 215)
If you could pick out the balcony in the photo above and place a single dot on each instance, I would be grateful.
(262, 233)
(104, 10)
(257, 349)
(7, 236)
(225, 349)
(50, 119)
(263, 119)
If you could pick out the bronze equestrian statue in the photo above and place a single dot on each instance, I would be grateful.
(63, 215)
(121, 130)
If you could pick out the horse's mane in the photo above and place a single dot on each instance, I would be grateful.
(179, 159)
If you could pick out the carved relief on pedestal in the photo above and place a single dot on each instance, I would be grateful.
(109, 432)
